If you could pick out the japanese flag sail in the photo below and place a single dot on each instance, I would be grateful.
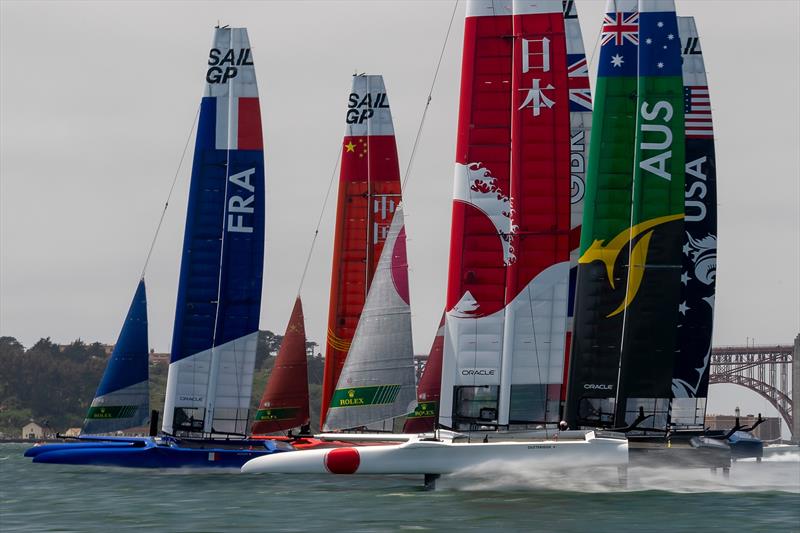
(219, 293)
(480, 235)
(369, 193)
(537, 282)
(699, 250)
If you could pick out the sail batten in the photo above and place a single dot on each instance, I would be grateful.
(219, 295)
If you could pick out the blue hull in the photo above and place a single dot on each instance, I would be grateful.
(150, 454)
(47, 448)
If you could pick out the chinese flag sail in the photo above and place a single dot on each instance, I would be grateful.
(284, 404)
(369, 192)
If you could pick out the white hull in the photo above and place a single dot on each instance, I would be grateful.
(446, 456)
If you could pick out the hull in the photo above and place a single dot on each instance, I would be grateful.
(431, 456)
(47, 448)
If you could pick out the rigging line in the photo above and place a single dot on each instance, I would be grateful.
(430, 97)
(169, 195)
(319, 220)
(590, 61)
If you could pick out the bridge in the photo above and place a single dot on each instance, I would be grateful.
(766, 370)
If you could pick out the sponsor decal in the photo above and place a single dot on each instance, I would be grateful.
(425, 410)
(224, 66)
(595, 386)
(364, 396)
(478, 371)
(276, 413)
(102, 412)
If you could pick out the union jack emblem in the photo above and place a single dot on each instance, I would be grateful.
(580, 95)
(619, 27)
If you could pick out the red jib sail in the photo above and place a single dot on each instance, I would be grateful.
(369, 192)
(428, 389)
(285, 401)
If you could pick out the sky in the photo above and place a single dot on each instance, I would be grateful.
(97, 100)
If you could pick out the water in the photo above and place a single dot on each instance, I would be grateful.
(39, 497)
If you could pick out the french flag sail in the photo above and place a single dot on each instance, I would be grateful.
(423, 419)
(369, 194)
(507, 318)
(219, 294)
(698, 279)
(122, 400)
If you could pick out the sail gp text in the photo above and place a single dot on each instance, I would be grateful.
(223, 67)
(239, 206)
(361, 108)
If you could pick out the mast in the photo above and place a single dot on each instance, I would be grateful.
(423, 418)
(602, 267)
(480, 247)
(122, 400)
(537, 282)
(698, 279)
(369, 193)
(377, 380)
(219, 294)
(656, 233)
(284, 404)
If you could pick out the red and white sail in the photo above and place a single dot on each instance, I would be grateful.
(508, 289)
(369, 193)
(480, 238)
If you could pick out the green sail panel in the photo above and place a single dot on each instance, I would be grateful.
(656, 235)
(602, 263)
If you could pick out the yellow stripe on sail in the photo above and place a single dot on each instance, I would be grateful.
(337, 343)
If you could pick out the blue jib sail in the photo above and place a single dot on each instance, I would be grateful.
(122, 400)
(219, 294)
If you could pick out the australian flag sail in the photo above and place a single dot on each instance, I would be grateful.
(602, 258)
(122, 399)
(219, 294)
(699, 251)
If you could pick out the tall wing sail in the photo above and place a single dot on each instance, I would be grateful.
(122, 400)
(656, 234)
(219, 293)
(428, 389)
(369, 192)
(284, 404)
(537, 283)
(377, 381)
(580, 122)
(696, 310)
(480, 238)
(602, 266)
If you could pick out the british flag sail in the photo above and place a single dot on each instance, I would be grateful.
(369, 193)
(698, 279)
(219, 294)
(602, 264)
(122, 400)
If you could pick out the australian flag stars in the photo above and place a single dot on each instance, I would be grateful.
(660, 46)
(619, 40)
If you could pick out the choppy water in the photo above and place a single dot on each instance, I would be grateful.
(41, 497)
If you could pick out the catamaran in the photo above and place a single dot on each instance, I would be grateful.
(505, 329)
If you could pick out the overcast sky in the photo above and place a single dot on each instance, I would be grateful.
(97, 98)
